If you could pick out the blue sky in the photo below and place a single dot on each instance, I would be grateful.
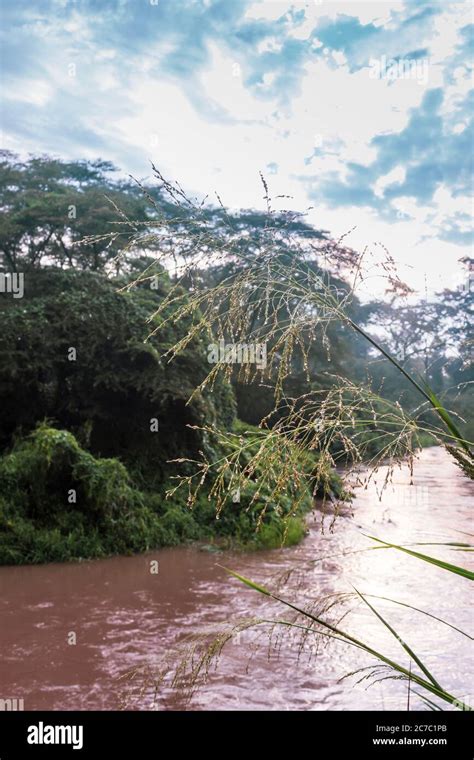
(362, 110)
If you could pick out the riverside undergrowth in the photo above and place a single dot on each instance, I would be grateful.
(58, 503)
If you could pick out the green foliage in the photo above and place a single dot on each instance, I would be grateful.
(103, 403)
(118, 382)
(49, 206)
(41, 522)
(42, 470)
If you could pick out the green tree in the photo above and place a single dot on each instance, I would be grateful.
(75, 352)
(51, 207)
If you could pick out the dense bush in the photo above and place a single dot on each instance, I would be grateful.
(49, 473)
(82, 473)
(115, 384)
(58, 502)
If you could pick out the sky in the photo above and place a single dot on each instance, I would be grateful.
(361, 111)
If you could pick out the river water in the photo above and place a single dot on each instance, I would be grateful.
(92, 634)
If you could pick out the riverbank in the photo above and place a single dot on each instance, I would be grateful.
(59, 503)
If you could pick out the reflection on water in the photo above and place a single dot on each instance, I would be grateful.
(123, 616)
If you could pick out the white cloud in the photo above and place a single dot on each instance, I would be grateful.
(396, 176)
(34, 91)
(367, 12)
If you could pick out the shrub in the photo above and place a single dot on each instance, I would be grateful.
(49, 472)
(40, 522)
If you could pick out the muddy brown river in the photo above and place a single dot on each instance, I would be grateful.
(71, 633)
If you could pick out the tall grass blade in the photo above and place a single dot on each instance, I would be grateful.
(405, 646)
(349, 639)
(464, 572)
(422, 612)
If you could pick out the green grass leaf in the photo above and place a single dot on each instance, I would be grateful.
(464, 572)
